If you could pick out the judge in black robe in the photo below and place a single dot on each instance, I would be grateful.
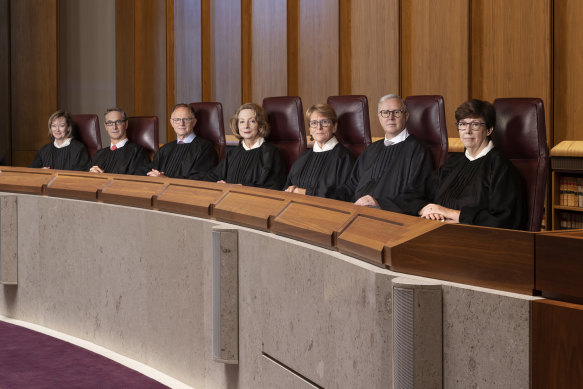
(64, 152)
(480, 187)
(322, 170)
(127, 159)
(254, 162)
(189, 156)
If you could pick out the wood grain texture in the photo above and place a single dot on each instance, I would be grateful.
(247, 78)
(269, 58)
(126, 63)
(34, 73)
(131, 192)
(511, 51)
(24, 180)
(80, 187)
(374, 53)
(171, 61)
(318, 71)
(206, 56)
(5, 133)
(568, 59)
(250, 209)
(196, 199)
(435, 51)
(559, 269)
(488, 257)
(293, 47)
(557, 345)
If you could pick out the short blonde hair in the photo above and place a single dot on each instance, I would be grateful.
(324, 110)
(61, 114)
(259, 116)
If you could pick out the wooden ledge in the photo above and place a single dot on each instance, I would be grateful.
(568, 148)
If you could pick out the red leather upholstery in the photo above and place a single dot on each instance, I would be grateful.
(353, 121)
(520, 133)
(210, 124)
(143, 130)
(86, 130)
(427, 122)
(285, 115)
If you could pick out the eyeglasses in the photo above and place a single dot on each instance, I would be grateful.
(323, 122)
(397, 113)
(178, 120)
(117, 122)
(475, 126)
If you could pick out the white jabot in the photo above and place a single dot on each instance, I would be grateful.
(484, 151)
(397, 139)
(120, 144)
(257, 144)
(188, 139)
(332, 142)
(65, 143)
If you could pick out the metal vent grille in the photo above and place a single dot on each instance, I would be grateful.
(403, 302)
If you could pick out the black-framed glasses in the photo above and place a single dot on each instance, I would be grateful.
(323, 122)
(474, 126)
(397, 113)
(116, 122)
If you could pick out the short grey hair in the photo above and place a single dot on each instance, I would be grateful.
(121, 111)
(389, 97)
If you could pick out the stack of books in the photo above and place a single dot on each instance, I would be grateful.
(571, 191)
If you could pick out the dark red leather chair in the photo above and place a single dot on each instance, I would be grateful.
(353, 121)
(285, 115)
(210, 124)
(143, 130)
(427, 123)
(520, 134)
(86, 130)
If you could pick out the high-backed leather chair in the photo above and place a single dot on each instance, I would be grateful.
(285, 115)
(210, 124)
(427, 123)
(353, 121)
(143, 130)
(86, 130)
(520, 134)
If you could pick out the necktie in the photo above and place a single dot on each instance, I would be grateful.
(388, 142)
(180, 142)
(113, 147)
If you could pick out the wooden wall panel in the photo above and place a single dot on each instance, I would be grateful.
(374, 52)
(226, 55)
(269, 58)
(511, 51)
(187, 51)
(34, 53)
(435, 52)
(318, 64)
(568, 78)
(5, 136)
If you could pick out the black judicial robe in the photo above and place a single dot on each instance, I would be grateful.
(385, 172)
(190, 160)
(71, 157)
(321, 174)
(129, 159)
(262, 167)
(488, 191)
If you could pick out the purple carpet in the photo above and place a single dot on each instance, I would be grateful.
(29, 359)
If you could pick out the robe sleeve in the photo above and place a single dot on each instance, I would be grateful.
(38, 160)
(274, 170)
(139, 163)
(204, 161)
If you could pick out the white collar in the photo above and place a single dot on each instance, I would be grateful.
(332, 142)
(188, 139)
(257, 144)
(120, 144)
(397, 139)
(65, 143)
(484, 151)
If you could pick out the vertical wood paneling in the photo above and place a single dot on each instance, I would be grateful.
(568, 62)
(435, 52)
(345, 47)
(269, 49)
(170, 61)
(34, 53)
(187, 51)
(125, 58)
(247, 44)
(226, 55)
(206, 51)
(293, 47)
(374, 52)
(5, 114)
(511, 51)
(318, 51)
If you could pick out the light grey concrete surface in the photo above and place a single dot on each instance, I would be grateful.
(139, 283)
(8, 240)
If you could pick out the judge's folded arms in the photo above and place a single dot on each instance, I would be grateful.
(480, 187)
(64, 152)
(255, 162)
(320, 171)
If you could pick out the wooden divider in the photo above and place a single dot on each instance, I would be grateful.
(78, 186)
(194, 198)
(24, 180)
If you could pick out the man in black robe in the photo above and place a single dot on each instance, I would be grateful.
(122, 156)
(390, 166)
(189, 156)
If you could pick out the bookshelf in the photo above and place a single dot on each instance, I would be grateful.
(567, 185)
